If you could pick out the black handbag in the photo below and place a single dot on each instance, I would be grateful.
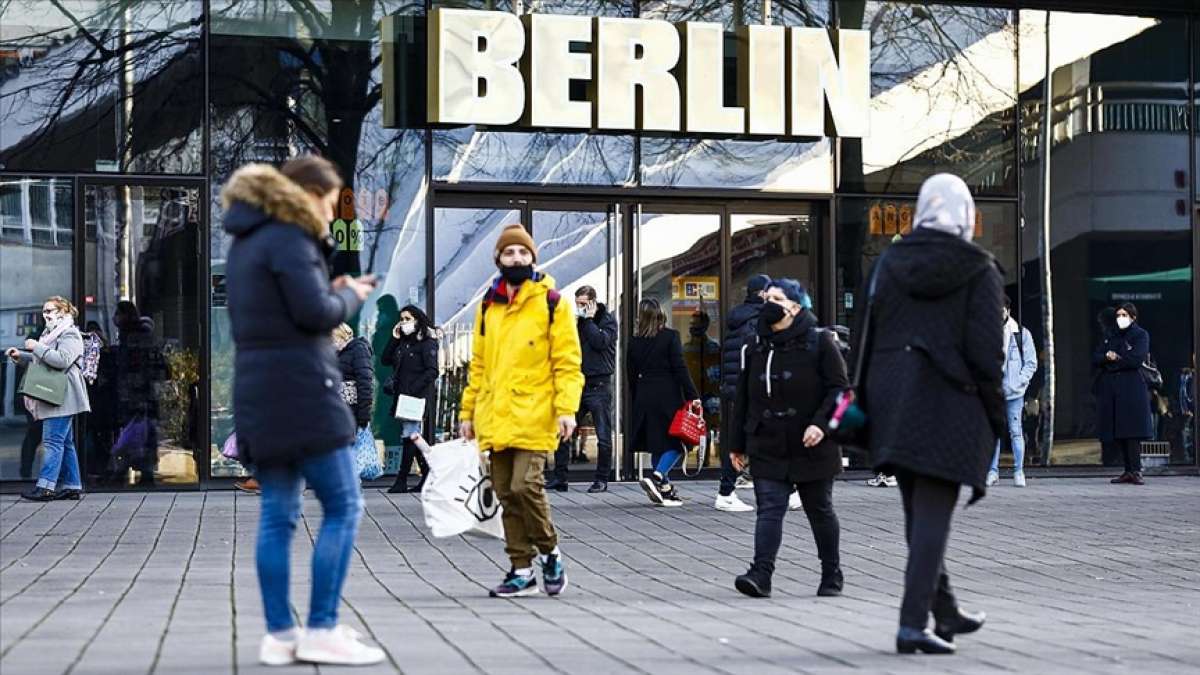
(1151, 374)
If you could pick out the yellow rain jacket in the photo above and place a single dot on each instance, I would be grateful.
(525, 370)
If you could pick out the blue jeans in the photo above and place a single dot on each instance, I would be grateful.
(333, 478)
(60, 459)
(1014, 410)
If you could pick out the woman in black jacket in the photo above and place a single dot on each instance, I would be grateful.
(659, 381)
(358, 377)
(1122, 395)
(413, 355)
(785, 396)
(934, 396)
(289, 416)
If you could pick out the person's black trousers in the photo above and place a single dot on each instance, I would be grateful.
(729, 475)
(1131, 452)
(772, 496)
(409, 453)
(928, 506)
(597, 402)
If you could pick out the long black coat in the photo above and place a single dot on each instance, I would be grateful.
(660, 384)
(1122, 396)
(806, 372)
(355, 363)
(739, 327)
(934, 383)
(287, 400)
(414, 363)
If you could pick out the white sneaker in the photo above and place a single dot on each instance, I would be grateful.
(732, 504)
(890, 481)
(276, 652)
(338, 646)
(743, 482)
(1019, 479)
(794, 503)
(992, 478)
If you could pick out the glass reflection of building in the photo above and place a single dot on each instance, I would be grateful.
(120, 122)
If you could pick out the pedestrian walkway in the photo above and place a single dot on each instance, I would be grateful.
(1076, 575)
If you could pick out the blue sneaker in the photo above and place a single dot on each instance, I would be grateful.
(554, 575)
(515, 586)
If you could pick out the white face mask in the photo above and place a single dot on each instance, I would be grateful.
(1124, 322)
(407, 327)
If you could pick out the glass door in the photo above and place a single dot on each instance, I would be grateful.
(141, 300)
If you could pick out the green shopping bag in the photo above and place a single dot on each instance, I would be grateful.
(44, 383)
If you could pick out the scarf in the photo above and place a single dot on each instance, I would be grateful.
(945, 204)
(50, 336)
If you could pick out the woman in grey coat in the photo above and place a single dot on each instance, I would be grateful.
(59, 348)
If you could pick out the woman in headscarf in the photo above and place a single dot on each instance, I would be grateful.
(933, 392)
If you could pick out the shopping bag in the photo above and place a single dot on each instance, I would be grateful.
(230, 449)
(410, 408)
(366, 455)
(458, 496)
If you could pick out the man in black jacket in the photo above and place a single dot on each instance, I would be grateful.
(739, 327)
(598, 339)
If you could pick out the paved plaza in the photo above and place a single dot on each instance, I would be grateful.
(1077, 576)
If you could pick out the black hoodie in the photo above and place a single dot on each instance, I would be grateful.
(934, 384)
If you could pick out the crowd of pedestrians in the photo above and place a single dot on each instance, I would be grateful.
(942, 372)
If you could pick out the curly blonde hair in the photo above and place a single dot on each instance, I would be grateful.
(63, 305)
(343, 333)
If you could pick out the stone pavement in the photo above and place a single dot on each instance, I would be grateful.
(1077, 576)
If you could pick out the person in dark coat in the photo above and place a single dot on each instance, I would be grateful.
(354, 360)
(659, 382)
(413, 355)
(289, 416)
(598, 341)
(934, 398)
(1122, 395)
(785, 395)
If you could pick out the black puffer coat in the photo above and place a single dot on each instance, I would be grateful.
(806, 373)
(934, 386)
(659, 382)
(739, 328)
(414, 365)
(287, 399)
(355, 363)
(1122, 396)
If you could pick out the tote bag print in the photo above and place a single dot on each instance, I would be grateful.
(458, 497)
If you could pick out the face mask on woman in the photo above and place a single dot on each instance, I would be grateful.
(1124, 322)
(407, 327)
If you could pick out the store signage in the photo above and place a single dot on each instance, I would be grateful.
(495, 68)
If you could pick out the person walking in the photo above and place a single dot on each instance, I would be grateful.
(785, 395)
(934, 397)
(660, 384)
(357, 386)
(740, 328)
(59, 349)
(289, 417)
(1122, 395)
(413, 355)
(598, 340)
(523, 389)
(1020, 364)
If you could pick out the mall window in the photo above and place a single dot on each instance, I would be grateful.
(1120, 227)
(943, 97)
(96, 85)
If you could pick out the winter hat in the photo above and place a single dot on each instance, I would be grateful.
(757, 284)
(515, 234)
(945, 204)
(793, 290)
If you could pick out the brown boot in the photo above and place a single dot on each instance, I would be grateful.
(250, 485)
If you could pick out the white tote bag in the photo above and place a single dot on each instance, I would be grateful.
(410, 408)
(458, 496)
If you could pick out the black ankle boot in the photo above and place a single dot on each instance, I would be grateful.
(912, 640)
(400, 485)
(831, 581)
(755, 583)
(957, 622)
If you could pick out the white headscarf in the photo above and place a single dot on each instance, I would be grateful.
(945, 205)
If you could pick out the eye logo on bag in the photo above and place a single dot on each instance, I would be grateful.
(481, 499)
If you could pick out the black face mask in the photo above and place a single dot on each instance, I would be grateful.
(771, 314)
(518, 274)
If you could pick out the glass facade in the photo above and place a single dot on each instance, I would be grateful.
(121, 120)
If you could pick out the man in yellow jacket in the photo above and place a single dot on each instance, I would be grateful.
(524, 388)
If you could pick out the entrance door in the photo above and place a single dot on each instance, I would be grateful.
(142, 299)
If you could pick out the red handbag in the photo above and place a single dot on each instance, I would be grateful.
(688, 425)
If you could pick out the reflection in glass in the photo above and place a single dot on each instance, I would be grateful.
(740, 12)
(36, 233)
(469, 155)
(96, 85)
(765, 165)
(775, 245)
(943, 90)
(679, 264)
(1120, 227)
(143, 303)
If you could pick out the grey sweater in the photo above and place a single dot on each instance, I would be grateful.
(63, 354)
